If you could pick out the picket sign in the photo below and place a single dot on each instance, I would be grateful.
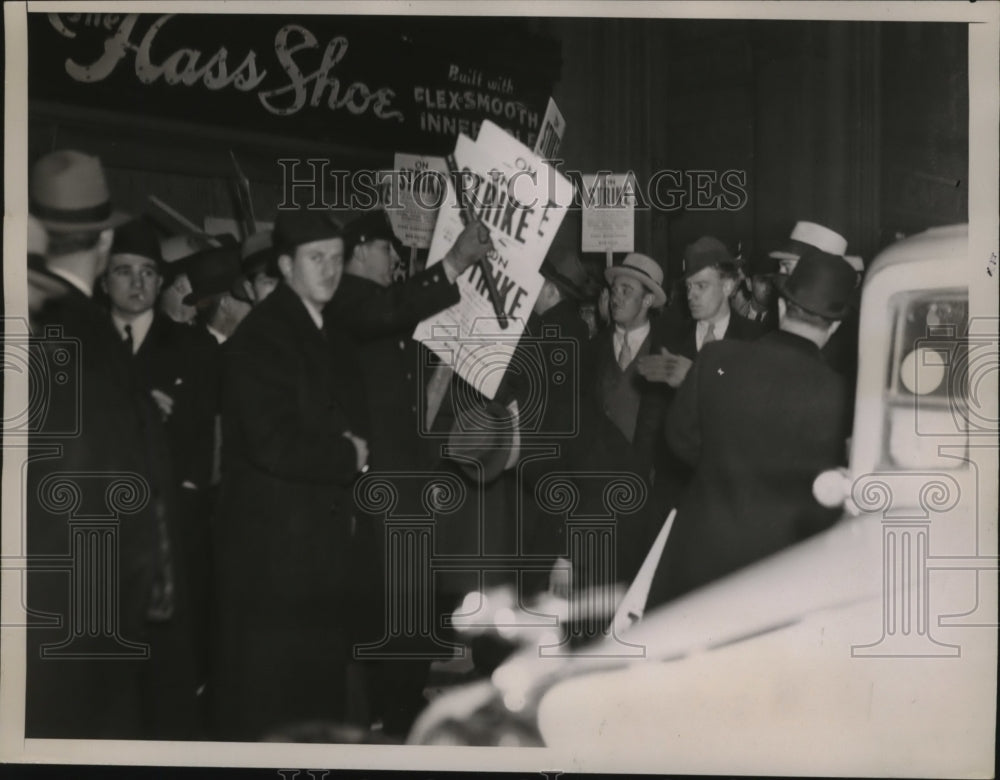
(608, 206)
(522, 200)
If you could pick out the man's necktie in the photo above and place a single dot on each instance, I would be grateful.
(625, 355)
(709, 334)
(128, 341)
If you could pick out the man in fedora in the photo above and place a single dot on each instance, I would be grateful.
(805, 237)
(709, 279)
(841, 351)
(174, 363)
(635, 290)
(755, 298)
(176, 250)
(70, 201)
(751, 494)
(293, 422)
(380, 316)
(106, 426)
(710, 276)
(625, 414)
(220, 293)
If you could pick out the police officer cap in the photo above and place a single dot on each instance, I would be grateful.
(371, 226)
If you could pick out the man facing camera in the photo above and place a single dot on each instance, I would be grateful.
(293, 419)
(710, 277)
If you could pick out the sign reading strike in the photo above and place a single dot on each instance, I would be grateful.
(522, 200)
(608, 201)
(413, 193)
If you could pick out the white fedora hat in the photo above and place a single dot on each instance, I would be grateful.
(811, 234)
(646, 270)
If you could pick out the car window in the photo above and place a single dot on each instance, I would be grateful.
(926, 393)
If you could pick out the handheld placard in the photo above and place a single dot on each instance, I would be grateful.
(468, 218)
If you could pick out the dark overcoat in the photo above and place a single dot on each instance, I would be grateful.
(290, 391)
(92, 426)
(381, 320)
(181, 361)
(758, 422)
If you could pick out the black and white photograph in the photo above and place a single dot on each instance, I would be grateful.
(551, 387)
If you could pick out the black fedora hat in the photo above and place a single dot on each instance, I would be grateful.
(821, 283)
(138, 238)
(213, 272)
(293, 228)
(371, 226)
(706, 252)
(563, 268)
(763, 265)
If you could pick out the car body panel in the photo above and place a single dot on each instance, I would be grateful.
(867, 649)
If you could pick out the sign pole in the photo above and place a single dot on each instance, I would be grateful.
(608, 257)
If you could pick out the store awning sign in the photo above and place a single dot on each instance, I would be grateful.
(387, 82)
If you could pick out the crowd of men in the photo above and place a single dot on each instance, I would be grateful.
(240, 391)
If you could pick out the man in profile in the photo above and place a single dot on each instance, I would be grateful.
(380, 316)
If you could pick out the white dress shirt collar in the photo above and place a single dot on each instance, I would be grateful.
(314, 313)
(140, 328)
(635, 338)
(702, 328)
